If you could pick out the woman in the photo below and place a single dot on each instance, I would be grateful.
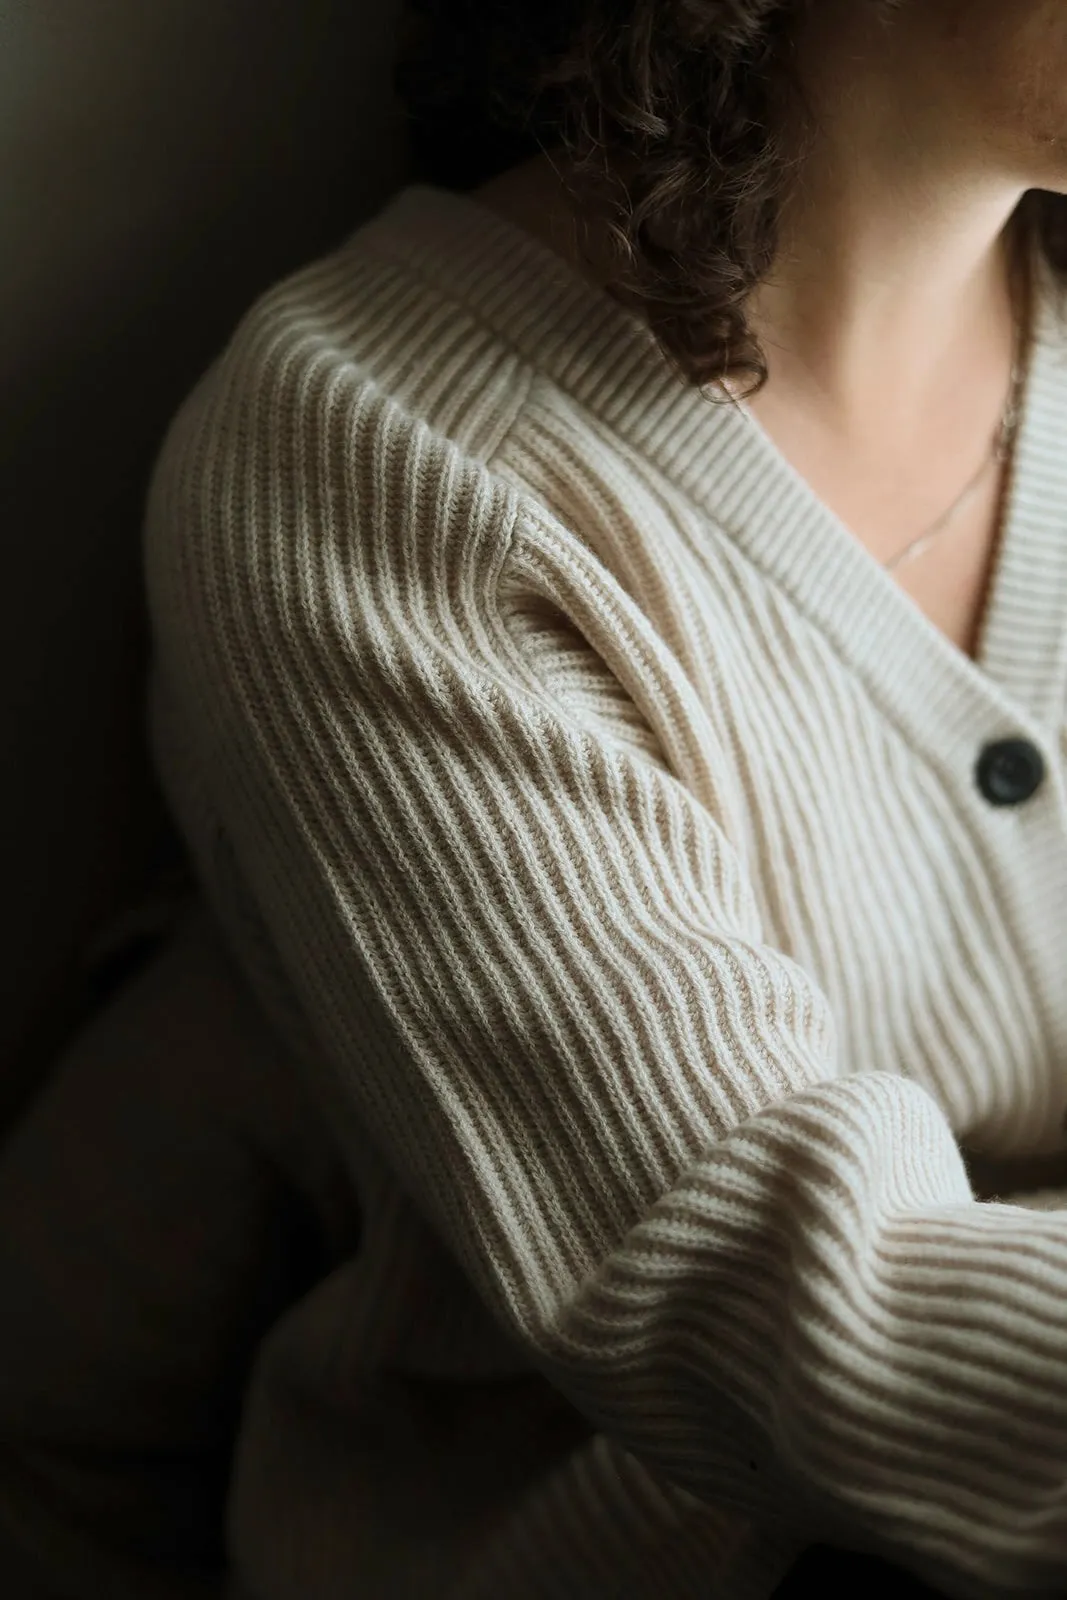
(609, 671)
(648, 814)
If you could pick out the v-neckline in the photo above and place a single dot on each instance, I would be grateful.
(607, 359)
(1020, 664)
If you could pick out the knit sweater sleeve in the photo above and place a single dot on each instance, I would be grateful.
(523, 935)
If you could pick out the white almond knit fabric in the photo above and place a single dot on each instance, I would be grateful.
(599, 824)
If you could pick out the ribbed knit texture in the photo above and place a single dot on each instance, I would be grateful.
(599, 825)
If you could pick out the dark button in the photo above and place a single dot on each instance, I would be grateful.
(1009, 770)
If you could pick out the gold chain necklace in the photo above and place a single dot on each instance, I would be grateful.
(1003, 441)
(1008, 427)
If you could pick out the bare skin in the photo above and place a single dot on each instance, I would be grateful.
(889, 319)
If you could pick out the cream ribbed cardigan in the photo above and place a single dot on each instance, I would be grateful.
(599, 824)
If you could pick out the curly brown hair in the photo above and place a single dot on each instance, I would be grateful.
(671, 116)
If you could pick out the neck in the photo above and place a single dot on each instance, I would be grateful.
(868, 329)
(894, 293)
(867, 362)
